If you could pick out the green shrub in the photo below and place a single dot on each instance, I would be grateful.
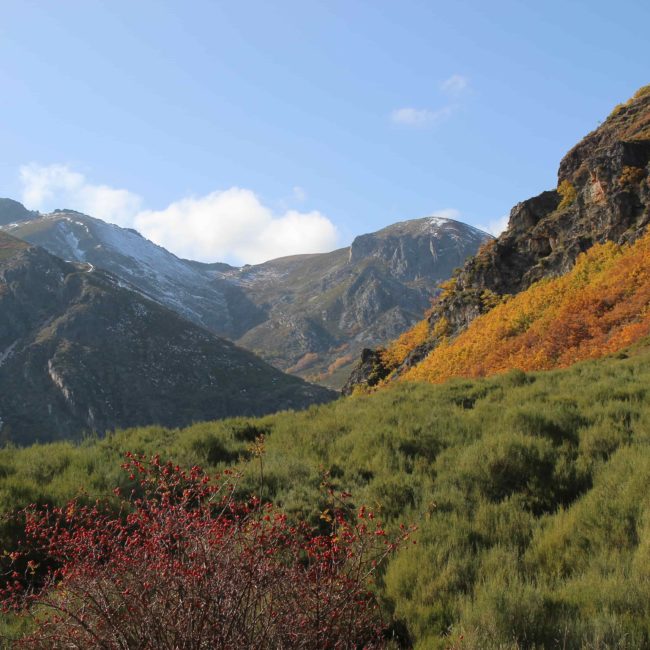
(530, 491)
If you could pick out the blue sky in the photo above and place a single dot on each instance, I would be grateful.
(244, 130)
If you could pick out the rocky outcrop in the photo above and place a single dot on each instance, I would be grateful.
(368, 373)
(603, 194)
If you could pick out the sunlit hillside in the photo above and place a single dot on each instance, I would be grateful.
(529, 490)
(601, 306)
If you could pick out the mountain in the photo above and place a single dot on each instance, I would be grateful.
(323, 309)
(12, 212)
(157, 273)
(602, 195)
(309, 315)
(79, 351)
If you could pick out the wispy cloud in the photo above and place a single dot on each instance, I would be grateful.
(230, 225)
(455, 86)
(495, 226)
(452, 88)
(420, 117)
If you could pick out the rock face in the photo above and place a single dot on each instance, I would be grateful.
(368, 373)
(80, 352)
(310, 315)
(602, 195)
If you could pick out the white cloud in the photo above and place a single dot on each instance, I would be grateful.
(495, 226)
(231, 225)
(46, 187)
(453, 88)
(420, 117)
(234, 224)
(455, 85)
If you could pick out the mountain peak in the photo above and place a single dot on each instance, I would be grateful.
(420, 247)
(12, 212)
(431, 224)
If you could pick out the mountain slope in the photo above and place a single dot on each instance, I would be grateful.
(79, 352)
(599, 307)
(149, 268)
(602, 195)
(322, 310)
(308, 314)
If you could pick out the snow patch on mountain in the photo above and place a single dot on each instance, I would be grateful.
(72, 241)
(7, 352)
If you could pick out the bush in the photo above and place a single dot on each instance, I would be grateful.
(568, 193)
(187, 566)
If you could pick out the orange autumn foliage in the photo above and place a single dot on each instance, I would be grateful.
(399, 349)
(601, 306)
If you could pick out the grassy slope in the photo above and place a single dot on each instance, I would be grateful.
(530, 491)
(9, 246)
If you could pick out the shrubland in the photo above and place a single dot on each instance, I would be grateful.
(599, 307)
(529, 491)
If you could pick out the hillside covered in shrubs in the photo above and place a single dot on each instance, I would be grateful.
(602, 196)
(599, 307)
(529, 491)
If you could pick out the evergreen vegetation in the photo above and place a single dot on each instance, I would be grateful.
(530, 492)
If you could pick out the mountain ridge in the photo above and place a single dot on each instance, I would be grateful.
(306, 314)
(79, 352)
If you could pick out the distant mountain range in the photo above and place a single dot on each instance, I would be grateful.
(80, 350)
(309, 315)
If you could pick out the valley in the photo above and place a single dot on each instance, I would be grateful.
(497, 424)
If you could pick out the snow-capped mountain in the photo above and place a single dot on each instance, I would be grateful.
(142, 265)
